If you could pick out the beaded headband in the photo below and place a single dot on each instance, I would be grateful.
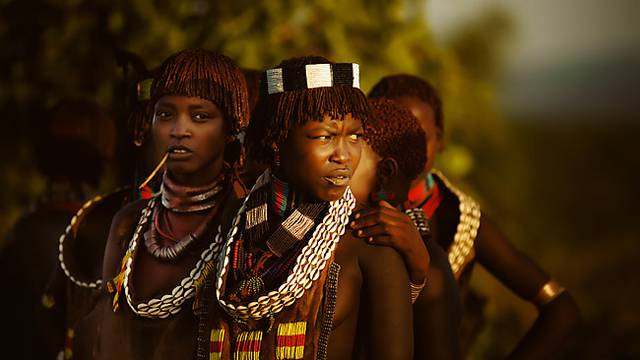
(312, 76)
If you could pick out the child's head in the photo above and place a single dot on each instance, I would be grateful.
(308, 123)
(422, 99)
(198, 102)
(395, 154)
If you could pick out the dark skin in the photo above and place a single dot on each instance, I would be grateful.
(192, 132)
(436, 311)
(372, 279)
(557, 320)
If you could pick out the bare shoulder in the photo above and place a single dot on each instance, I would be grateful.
(122, 227)
(375, 263)
(126, 218)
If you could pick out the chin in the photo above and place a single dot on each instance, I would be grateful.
(180, 168)
(333, 194)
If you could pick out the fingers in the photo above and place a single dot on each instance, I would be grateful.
(385, 204)
(372, 231)
(383, 215)
(382, 240)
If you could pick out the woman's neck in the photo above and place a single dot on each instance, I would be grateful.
(185, 198)
(199, 178)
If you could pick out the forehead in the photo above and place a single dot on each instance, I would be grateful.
(180, 100)
(328, 121)
(420, 109)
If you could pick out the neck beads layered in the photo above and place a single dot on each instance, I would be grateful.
(180, 199)
(255, 262)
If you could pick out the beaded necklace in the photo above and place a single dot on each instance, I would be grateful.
(181, 198)
(256, 267)
(425, 195)
(309, 264)
(461, 251)
(171, 303)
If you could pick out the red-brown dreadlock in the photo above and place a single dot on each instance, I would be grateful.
(276, 114)
(400, 85)
(204, 74)
(252, 77)
(392, 131)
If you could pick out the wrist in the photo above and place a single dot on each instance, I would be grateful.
(417, 261)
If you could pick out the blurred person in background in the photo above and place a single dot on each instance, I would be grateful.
(76, 283)
(468, 238)
(393, 157)
(72, 147)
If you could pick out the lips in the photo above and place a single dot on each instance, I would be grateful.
(339, 177)
(179, 151)
(338, 180)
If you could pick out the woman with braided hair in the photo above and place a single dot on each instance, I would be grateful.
(293, 281)
(160, 249)
(393, 157)
(459, 228)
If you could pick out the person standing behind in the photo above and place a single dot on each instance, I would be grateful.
(470, 237)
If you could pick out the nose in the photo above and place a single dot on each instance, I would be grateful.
(341, 153)
(180, 128)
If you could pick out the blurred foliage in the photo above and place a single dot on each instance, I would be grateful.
(55, 49)
(62, 48)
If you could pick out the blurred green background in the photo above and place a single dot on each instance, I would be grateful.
(540, 101)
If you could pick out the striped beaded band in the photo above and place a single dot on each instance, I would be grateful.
(312, 76)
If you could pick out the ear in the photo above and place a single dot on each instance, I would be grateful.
(387, 170)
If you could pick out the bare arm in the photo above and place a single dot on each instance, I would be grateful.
(556, 321)
(436, 313)
(386, 304)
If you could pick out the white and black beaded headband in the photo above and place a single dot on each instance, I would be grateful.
(312, 76)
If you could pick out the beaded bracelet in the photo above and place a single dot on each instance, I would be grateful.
(416, 290)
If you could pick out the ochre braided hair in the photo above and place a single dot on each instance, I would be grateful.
(393, 132)
(400, 85)
(252, 77)
(204, 74)
(276, 114)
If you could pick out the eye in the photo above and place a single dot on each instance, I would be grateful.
(162, 114)
(200, 116)
(322, 137)
(355, 136)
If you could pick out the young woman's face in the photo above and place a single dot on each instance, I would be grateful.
(191, 131)
(320, 157)
(426, 117)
